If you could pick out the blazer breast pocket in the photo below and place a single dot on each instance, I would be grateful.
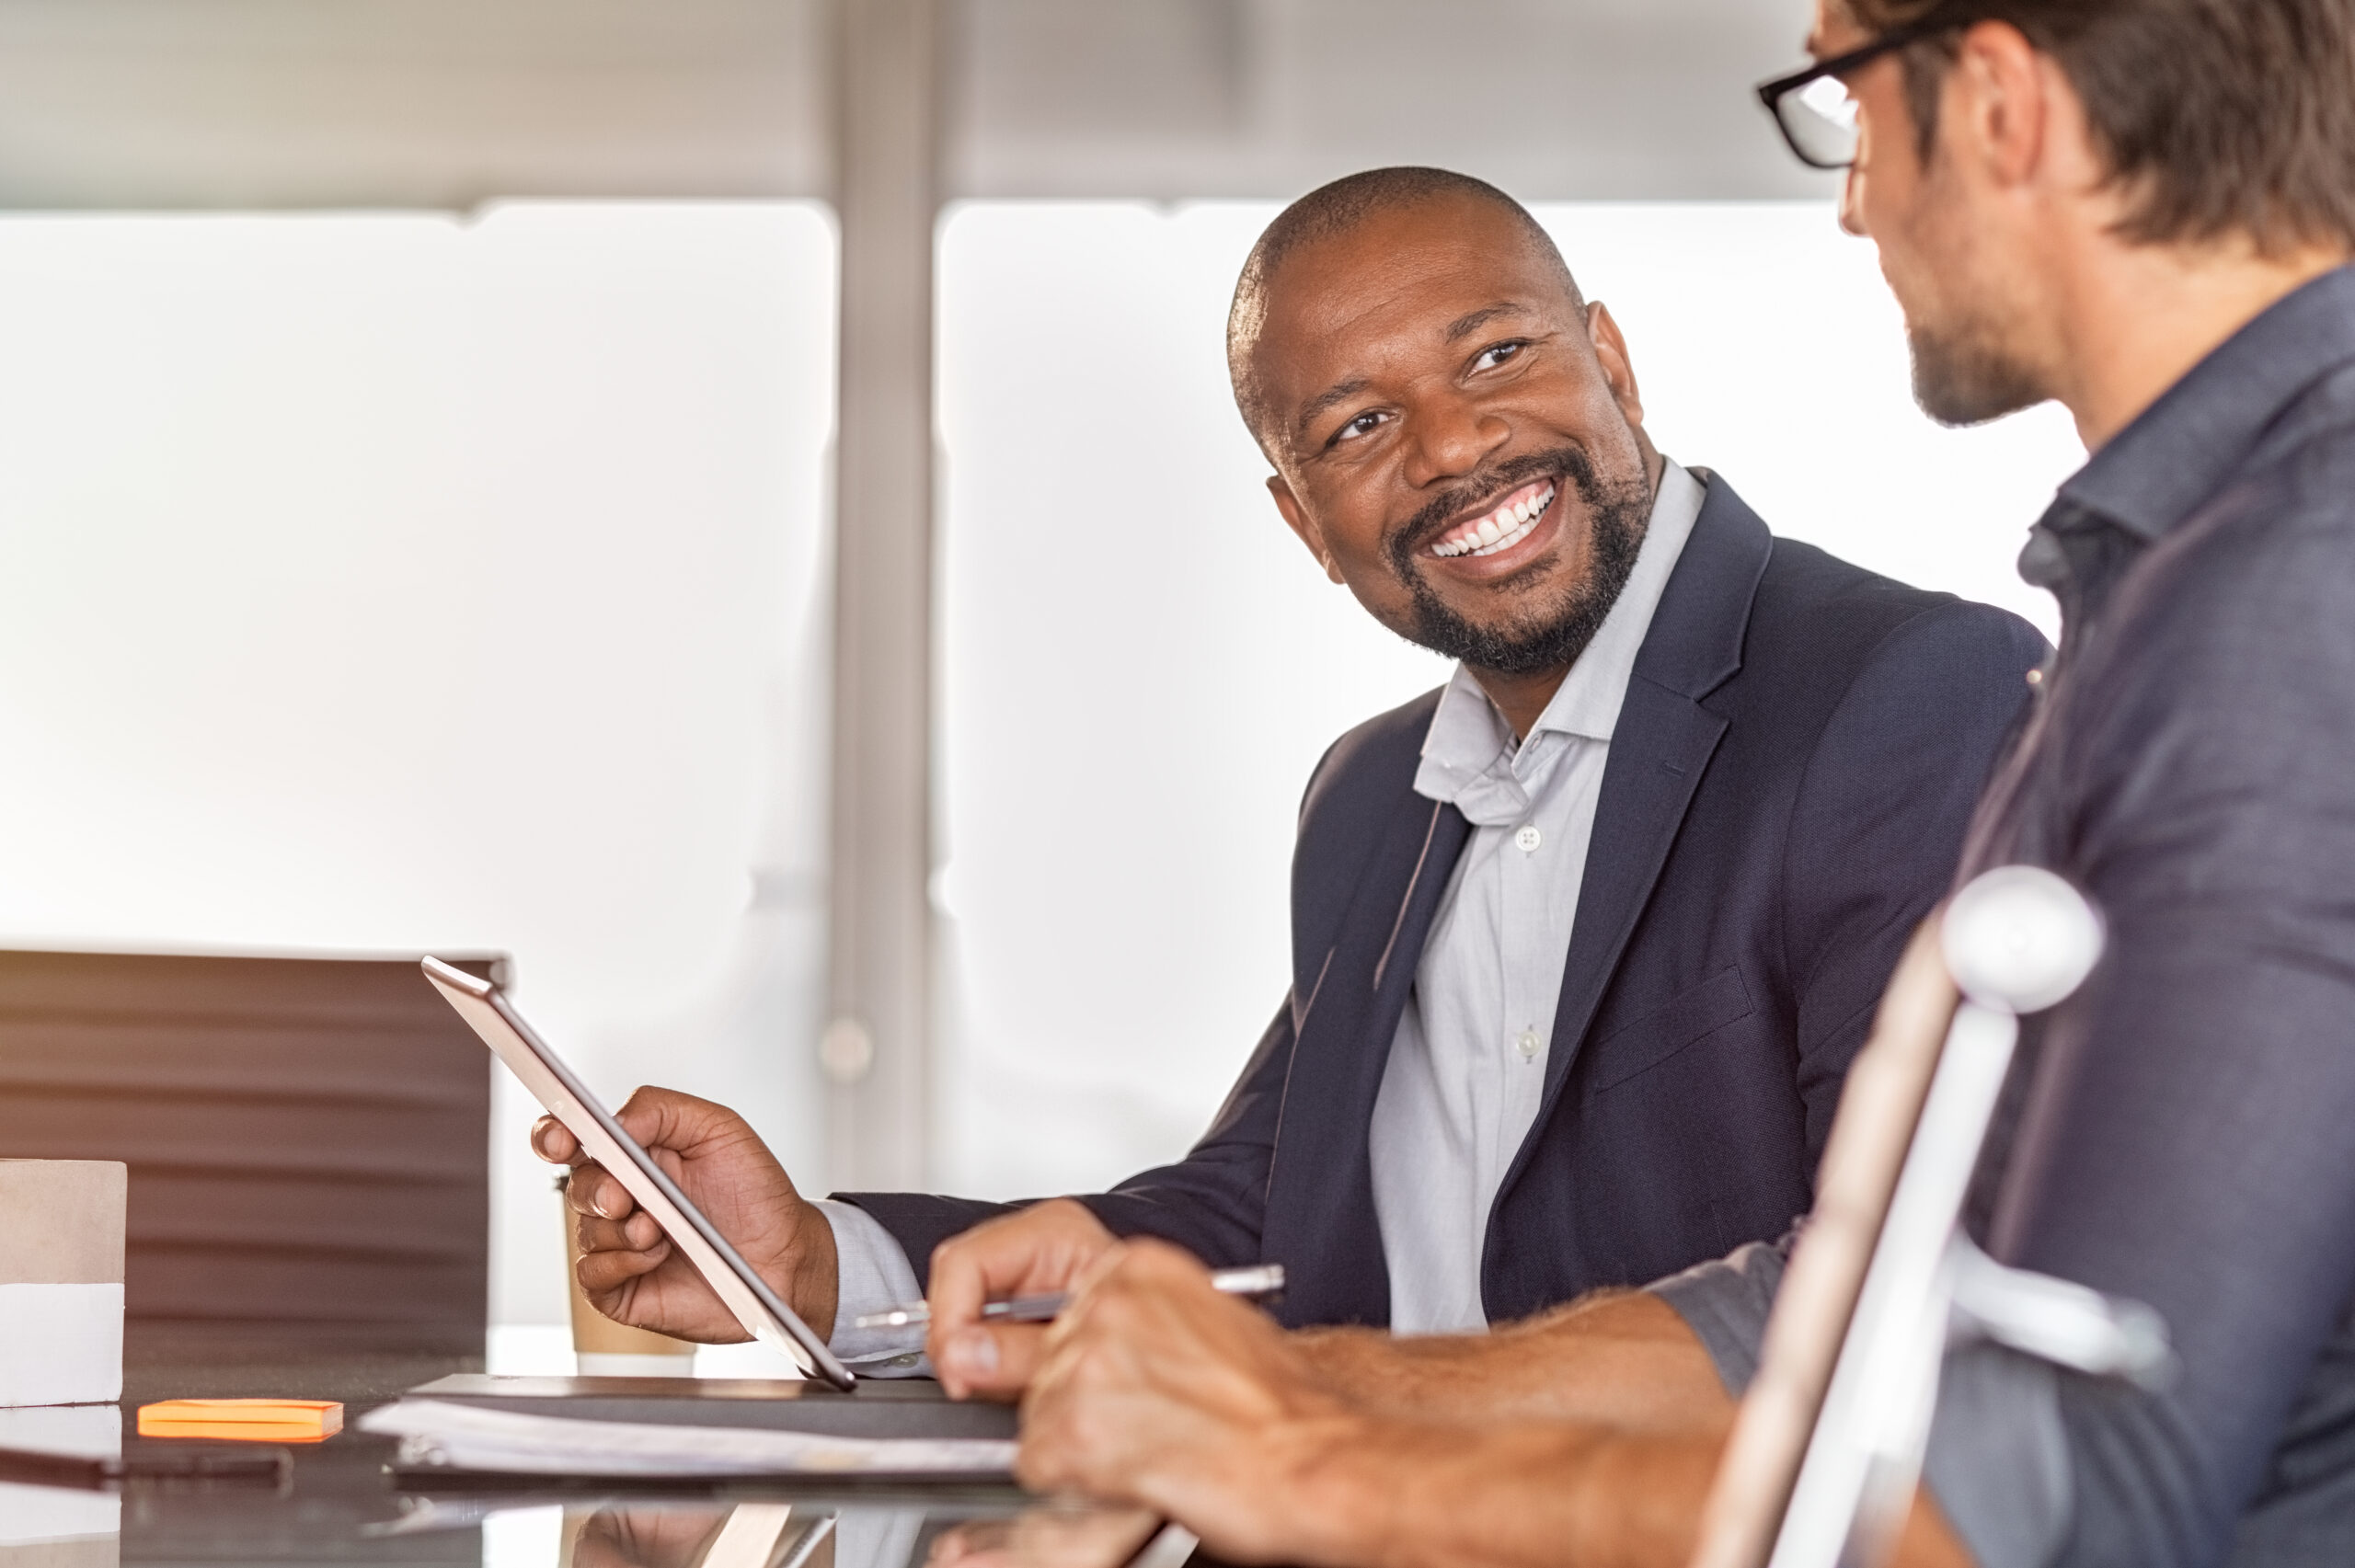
(1637, 1048)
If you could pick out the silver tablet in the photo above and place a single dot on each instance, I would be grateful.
(764, 1316)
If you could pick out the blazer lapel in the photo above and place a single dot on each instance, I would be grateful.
(1320, 1221)
(1663, 741)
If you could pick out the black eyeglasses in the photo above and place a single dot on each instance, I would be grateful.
(1813, 108)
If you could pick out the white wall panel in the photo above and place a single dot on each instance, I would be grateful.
(390, 583)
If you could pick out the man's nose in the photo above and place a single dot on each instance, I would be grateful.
(1452, 437)
(1852, 202)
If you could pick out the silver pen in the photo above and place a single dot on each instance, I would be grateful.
(1262, 1279)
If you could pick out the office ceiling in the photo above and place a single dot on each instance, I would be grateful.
(449, 103)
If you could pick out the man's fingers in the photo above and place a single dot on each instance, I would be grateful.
(663, 1119)
(958, 1287)
(593, 1192)
(611, 1269)
(638, 1233)
(990, 1360)
(553, 1141)
(1032, 1252)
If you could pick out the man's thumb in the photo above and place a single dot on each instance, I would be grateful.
(990, 1361)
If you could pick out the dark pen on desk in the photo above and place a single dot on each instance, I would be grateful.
(245, 1463)
(1258, 1281)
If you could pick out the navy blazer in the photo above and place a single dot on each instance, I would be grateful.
(1784, 800)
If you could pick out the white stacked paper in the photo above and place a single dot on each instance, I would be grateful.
(437, 1435)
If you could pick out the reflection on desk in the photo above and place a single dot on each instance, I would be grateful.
(341, 1504)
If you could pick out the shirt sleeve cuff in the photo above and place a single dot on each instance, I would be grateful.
(1725, 1302)
(873, 1276)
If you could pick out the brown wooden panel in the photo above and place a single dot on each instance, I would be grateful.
(210, 1208)
(303, 1285)
(189, 1130)
(308, 1138)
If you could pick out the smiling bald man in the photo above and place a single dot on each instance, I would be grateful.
(1582, 943)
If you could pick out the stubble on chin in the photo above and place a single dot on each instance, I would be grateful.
(1962, 377)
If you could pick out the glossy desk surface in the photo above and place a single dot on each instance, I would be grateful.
(341, 1504)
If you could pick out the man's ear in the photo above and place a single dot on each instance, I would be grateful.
(1619, 371)
(1296, 518)
(1998, 94)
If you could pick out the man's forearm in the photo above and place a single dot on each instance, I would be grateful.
(1387, 1492)
(1624, 1360)
(1407, 1495)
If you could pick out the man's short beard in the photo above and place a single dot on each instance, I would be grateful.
(1961, 377)
(1553, 638)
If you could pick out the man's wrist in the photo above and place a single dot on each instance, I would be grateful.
(1357, 1365)
(809, 1273)
(1310, 1488)
(1341, 1470)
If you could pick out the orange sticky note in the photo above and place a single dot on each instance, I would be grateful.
(243, 1420)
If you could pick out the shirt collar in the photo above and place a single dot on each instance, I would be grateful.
(1469, 740)
(2177, 453)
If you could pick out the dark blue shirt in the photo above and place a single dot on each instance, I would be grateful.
(2182, 1131)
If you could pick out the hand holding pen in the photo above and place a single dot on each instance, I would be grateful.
(1255, 1282)
(1041, 1249)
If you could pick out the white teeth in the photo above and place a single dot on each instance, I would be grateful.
(1508, 542)
(1500, 530)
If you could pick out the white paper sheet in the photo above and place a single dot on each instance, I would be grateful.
(461, 1437)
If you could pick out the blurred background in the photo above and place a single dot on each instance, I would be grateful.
(735, 505)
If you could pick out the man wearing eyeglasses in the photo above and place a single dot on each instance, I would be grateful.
(2145, 209)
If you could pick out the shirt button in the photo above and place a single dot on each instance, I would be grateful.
(1529, 838)
(909, 1360)
(1528, 1041)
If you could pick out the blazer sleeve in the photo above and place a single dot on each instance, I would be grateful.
(1880, 821)
(921, 1222)
(1212, 1203)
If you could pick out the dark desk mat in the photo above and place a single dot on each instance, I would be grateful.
(875, 1408)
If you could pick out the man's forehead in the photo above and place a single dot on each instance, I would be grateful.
(1383, 285)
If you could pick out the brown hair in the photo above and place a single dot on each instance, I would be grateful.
(2219, 117)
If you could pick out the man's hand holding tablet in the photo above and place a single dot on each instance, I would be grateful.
(633, 1275)
(629, 1269)
(674, 1218)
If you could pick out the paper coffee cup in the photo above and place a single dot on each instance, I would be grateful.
(602, 1347)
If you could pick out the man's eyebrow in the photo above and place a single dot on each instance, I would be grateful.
(1340, 392)
(1464, 325)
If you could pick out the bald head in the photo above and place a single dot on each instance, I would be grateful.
(1339, 209)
